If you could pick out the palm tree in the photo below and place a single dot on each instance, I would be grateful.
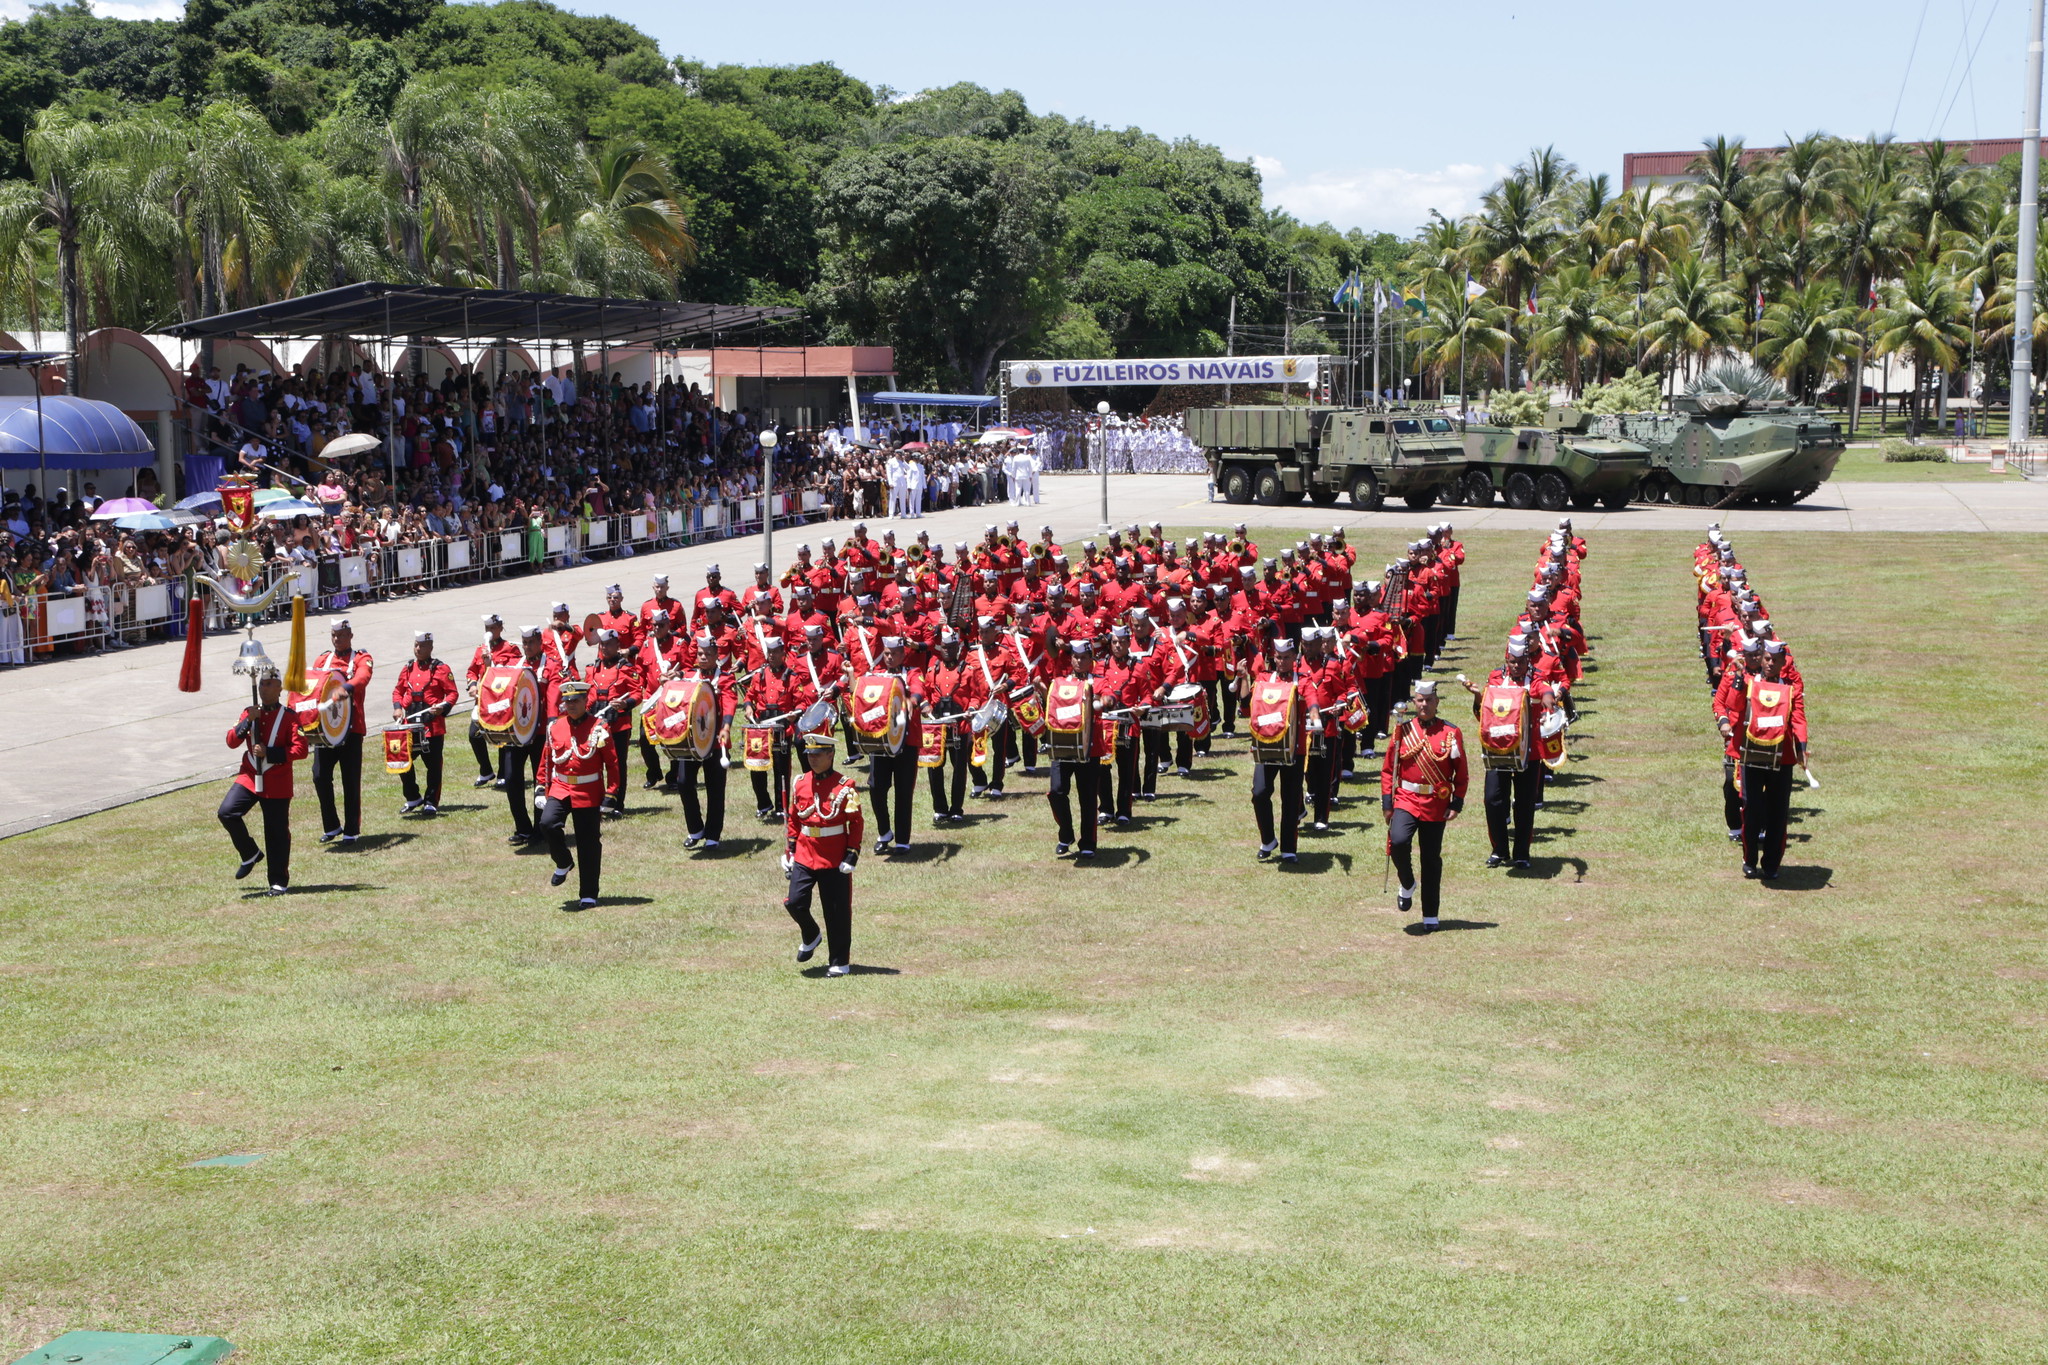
(1691, 315)
(1644, 233)
(75, 168)
(1574, 322)
(1585, 210)
(1947, 195)
(526, 150)
(1512, 241)
(1719, 195)
(1926, 318)
(1800, 188)
(1547, 172)
(424, 156)
(1805, 334)
(1454, 328)
(622, 229)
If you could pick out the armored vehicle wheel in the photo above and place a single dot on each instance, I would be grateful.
(1616, 500)
(1365, 492)
(1698, 495)
(1478, 488)
(1584, 501)
(1521, 491)
(1420, 499)
(1651, 489)
(1237, 484)
(1289, 499)
(1268, 488)
(1451, 492)
(1553, 494)
(1323, 495)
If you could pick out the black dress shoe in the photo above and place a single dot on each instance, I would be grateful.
(1495, 860)
(249, 864)
(519, 840)
(1749, 870)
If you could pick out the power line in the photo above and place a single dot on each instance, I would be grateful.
(1962, 43)
(1911, 53)
(1967, 68)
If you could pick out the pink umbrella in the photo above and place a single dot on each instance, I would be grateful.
(121, 507)
(916, 445)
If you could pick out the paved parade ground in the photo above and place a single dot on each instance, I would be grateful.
(118, 728)
(1176, 1105)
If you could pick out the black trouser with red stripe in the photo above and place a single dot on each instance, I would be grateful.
(277, 830)
(958, 747)
(1405, 829)
(1511, 792)
(588, 822)
(428, 749)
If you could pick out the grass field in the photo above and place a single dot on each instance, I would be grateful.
(1178, 1106)
(1867, 464)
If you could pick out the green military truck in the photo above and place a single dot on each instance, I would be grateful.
(1557, 465)
(1274, 455)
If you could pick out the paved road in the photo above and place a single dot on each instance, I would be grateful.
(119, 730)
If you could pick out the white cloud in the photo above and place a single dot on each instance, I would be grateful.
(108, 9)
(1380, 198)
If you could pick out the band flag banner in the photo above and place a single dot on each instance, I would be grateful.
(398, 751)
(1240, 369)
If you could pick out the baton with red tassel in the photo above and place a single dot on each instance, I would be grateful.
(195, 639)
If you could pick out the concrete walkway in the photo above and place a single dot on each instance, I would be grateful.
(119, 730)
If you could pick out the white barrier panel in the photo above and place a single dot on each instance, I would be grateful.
(458, 554)
(355, 571)
(307, 582)
(750, 509)
(712, 515)
(600, 533)
(645, 521)
(675, 523)
(66, 615)
(510, 546)
(813, 501)
(557, 536)
(410, 564)
(153, 602)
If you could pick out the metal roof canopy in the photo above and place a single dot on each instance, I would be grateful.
(62, 432)
(394, 312)
(18, 360)
(935, 400)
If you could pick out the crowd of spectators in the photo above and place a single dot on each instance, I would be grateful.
(464, 458)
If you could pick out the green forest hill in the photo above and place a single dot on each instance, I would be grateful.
(257, 150)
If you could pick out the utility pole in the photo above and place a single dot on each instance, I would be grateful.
(2022, 403)
(1230, 343)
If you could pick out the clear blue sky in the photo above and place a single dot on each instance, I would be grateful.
(1370, 114)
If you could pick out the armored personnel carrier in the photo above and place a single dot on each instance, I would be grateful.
(1732, 438)
(1563, 463)
(1273, 455)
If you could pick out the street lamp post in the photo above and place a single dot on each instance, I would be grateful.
(768, 442)
(1102, 441)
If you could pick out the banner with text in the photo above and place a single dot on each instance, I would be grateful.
(1239, 369)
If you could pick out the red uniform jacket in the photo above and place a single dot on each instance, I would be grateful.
(954, 685)
(825, 827)
(704, 597)
(269, 731)
(656, 662)
(353, 669)
(772, 693)
(678, 614)
(626, 623)
(487, 657)
(422, 685)
(559, 643)
(574, 766)
(1424, 768)
(615, 686)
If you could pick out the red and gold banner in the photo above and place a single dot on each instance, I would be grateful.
(757, 753)
(238, 503)
(931, 747)
(398, 750)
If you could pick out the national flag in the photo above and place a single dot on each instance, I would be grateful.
(1379, 297)
(1871, 289)
(1759, 301)
(1530, 302)
(1351, 291)
(1473, 291)
(1976, 298)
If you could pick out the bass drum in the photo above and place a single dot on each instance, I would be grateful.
(325, 712)
(508, 704)
(682, 718)
(880, 713)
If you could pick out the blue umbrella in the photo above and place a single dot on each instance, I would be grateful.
(284, 509)
(201, 502)
(146, 521)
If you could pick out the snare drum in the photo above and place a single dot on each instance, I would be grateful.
(1069, 720)
(879, 713)
(1275, 720)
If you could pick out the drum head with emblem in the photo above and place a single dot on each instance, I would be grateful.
(703, 712)
(332, 709)
(508, 700)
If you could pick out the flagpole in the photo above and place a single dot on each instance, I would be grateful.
(1378, 300)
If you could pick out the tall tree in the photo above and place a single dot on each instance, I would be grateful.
(1719, 196)
(1806, 334)
(1925, 318)
(1690, 316)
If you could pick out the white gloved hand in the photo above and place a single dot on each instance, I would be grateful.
(846, 868)
(788, 865)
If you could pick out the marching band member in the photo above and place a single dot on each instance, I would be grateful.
(663, 654)
(955, 693)
(615, 618)
(353, 666)
(1422, 788)
(1120, 685)
(495, 650)
(1745, 661)
(661, 601)
(892, 778)
(1000, 672)
(762, 586)
(776, 690)
(425, 694)
(1772, 733)
(1287, 776)
(1515, 791)
(513, 757)
(714, 593)
(822, 845)
(562, 639)
(704, 825)
(615, 684)
(271, 741)
(578, 763)
(1085, 775)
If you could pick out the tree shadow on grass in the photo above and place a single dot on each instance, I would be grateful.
(1443, 925)
(1801, 879)
(370, 842)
